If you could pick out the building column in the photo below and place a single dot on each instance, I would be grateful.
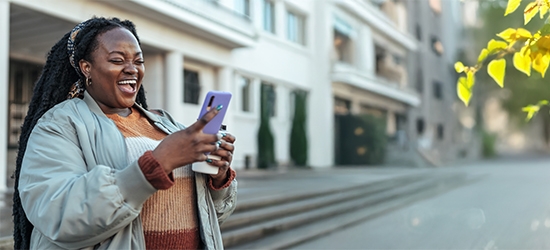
(4, 90)
(320, 103)
(173, 90)
(153, 80)
(225, 83)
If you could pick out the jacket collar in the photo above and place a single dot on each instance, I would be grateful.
(94, 107)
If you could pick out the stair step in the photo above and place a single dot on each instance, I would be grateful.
(374, 207)
(277, 199)
(287, 208)
(263, 229)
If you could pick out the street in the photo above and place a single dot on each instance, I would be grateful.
(509, 208)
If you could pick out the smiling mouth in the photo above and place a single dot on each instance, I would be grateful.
(127, 86)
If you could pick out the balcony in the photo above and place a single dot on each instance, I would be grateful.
(391, 89)
(202, 18)
(388, 69)
(380, 19)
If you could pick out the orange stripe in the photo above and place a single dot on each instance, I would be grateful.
(185, 239)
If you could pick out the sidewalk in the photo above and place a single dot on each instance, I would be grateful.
(260, 184)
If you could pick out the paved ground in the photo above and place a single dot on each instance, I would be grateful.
(508, 209)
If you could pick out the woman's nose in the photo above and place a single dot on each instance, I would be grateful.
(130, 69)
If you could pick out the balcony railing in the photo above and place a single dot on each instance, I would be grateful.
(213, 11)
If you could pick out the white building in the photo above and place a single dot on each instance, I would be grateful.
(345, 53)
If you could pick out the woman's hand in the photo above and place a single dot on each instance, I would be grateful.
(186, 146)
(225, 151)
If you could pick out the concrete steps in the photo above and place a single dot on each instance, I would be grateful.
(282, 223)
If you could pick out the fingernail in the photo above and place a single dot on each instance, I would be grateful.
(209, 160)
(219, 143)
(223, 134)
(219, 107)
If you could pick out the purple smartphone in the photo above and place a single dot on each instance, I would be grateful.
(212, 100)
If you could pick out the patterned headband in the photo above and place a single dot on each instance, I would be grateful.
(71, 45)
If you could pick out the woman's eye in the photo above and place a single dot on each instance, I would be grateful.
(140, 62)
(116, 60)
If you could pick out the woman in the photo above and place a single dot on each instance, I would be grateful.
(96, 169)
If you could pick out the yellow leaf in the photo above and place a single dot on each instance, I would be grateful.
(540, 64)
(543, 10)
(497, 70)
(522, 61)
(459, 67)
(512, 6)
(522, 33)
(531, 111)
(543, 43)
(530, 11)
(464, 93)
(482, 55)
(508, 34)
(470, 80)
(495, 45)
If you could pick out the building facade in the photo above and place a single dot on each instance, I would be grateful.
(350, 56)
(441, 126)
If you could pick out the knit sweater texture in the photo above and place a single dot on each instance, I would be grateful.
(170, 217)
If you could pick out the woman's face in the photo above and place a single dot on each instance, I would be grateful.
(116, 71)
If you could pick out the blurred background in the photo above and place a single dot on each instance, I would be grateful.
(317, 84)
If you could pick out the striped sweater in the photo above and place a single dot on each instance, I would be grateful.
(170, 219)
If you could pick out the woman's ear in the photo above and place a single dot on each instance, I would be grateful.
(85, 67)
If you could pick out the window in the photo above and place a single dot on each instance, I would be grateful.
(268, 92)
(436, 6)
(22, 76)
(437, 46)
(343, 43)
(269, 16)
(245, 86)
(243, 7)
(342, 46)
(191, 86)
(341, 106)
(295, 26)
(440, 132)
(438, 93)
(420, 81)
(418, 32)
(420, 126)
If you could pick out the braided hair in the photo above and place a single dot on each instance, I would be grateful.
(52, 88)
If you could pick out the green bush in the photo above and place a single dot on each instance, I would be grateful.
(266, 142)
(298, 137)
(488, 144)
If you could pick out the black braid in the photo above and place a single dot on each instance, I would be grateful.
(51, 89)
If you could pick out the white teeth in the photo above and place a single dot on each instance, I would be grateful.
(127, 82)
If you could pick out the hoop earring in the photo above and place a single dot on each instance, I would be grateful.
(88, 81)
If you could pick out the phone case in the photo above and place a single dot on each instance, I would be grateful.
(212, 100)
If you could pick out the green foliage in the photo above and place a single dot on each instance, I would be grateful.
(298, 137)
(488, 144)
(530, 50)
(266, 142)
(376, 139)
(361, 140)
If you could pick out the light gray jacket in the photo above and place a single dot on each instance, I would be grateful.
(80, 192)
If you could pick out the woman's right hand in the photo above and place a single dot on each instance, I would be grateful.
(186, 146)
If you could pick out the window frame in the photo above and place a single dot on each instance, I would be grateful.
(272, 28)
(189, 90)
(300, 20)
(248, 96)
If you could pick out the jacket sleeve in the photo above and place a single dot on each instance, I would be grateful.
(225, 201)
(71, 205)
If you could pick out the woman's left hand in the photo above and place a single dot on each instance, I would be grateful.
(224, 150)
